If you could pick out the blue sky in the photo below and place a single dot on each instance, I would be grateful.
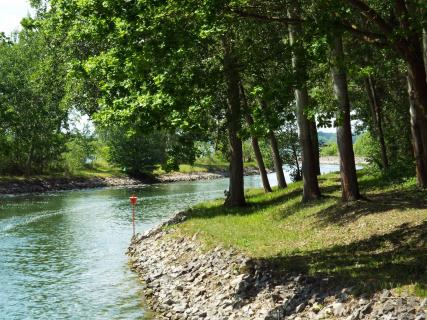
(11, 14)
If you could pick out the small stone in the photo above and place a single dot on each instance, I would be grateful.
(385, 295)
(179, 308)
(325, 313)
(148, 292)
(316, 307)
(420, 316)
(388, 307)
(423, 303)
(300, 308)
(338, 309)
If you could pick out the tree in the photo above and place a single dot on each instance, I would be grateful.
(404, 37)
(31, 113)
(311, 189)
(255, 143)
(349, 184)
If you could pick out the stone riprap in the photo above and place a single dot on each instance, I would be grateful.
(182, 281)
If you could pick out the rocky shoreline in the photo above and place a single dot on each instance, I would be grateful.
(38, 185)
(182, 281)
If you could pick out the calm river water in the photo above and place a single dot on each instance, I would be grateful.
(62, 254)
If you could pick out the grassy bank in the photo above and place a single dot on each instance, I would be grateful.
(204, 166)
(84, 174)
(376, 243)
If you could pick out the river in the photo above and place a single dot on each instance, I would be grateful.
(62, 254)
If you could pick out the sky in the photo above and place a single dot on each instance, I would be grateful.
(11, 14)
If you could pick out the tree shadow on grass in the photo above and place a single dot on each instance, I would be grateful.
(342, 213)
(395, 259)
(253, 206)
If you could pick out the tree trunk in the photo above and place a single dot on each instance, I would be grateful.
(261, 165)
(311, 189)
(425, 47)
(29, 161)
(255, 145)
(419, 139)
(349, 185)
(417, 76)
(315, 140)
(236, 196)
(298, 176)
(376, 111)
(277, 160)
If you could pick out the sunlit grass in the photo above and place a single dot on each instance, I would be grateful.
(203, 165)
(378, 242)
(81, 173)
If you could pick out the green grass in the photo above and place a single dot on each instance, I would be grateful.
(375, 243)
(203, 166)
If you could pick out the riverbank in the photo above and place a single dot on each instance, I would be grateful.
(46, 184)
(336, 160)
(18, 185)
(278, 257)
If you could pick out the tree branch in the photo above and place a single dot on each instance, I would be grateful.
(372, 15)
(368, 36)
(267, 18)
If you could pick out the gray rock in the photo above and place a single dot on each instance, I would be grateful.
(388, 307)
(325, 313)
(316, 307)
(338, 309)
(179, 308)
(300, 308)
(360, 312)
(385, 295)
(184, 282)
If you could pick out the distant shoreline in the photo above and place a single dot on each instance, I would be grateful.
(49, 184)
(40, 185)
(336, 160)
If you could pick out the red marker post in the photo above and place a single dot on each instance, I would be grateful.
(133, 200)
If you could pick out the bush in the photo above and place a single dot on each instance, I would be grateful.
(328, 150)
(365, 145)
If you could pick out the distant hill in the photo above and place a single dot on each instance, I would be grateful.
(327, 137)
(330, 137)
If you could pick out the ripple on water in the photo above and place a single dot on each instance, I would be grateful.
(62, 255)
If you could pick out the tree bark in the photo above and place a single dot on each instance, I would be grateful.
(349, 184)
(425, 47)
(376, 111)
(315, 140)
(261, 165)
(311, 189)
(277, 160)
(419, 139)
(255, 145)
(298, 176)
(236, 195)
(417, 76)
